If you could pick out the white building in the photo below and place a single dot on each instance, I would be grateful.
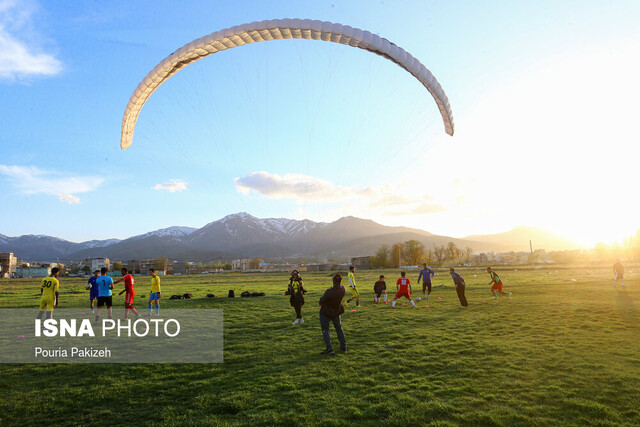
(98, 263)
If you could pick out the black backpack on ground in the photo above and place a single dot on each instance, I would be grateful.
(232, 294)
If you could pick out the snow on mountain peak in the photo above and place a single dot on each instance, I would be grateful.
(176, 231)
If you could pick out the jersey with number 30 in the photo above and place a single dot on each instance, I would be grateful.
(50, 286)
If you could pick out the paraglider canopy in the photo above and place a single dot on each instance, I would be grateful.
(277, 30)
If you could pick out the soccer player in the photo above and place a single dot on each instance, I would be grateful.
(618, 271)
(496, 283)
(296, 291)
(154, 296)
(49, 293)
(380, 288)
(130, 292)
(460, 287)
(93, 292)
(403, 285)
(355, 295)
(105, 286)
(426, 274)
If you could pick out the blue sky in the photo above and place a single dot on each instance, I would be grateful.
(544, 96)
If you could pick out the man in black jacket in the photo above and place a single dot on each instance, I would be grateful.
(330, 310)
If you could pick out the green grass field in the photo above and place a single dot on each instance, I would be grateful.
(563, 349)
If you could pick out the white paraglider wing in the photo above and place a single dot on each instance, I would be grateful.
(278, 30)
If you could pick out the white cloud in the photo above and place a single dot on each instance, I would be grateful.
(31, 180)
(296, 186)
(364, 201)
(171, 186)
(68, 198)
(19, 58)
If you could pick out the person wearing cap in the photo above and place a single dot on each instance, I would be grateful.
(330, 310)
(460, 287)
(296, 295)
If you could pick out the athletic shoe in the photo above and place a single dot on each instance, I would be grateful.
(296, 322)
(301, 321)
(358, 305)
(343, 350)
(328, 351)
(495, 297)
(427, 297)
(509, 294)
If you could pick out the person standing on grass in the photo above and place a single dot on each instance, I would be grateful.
(105, 287)
(618, 272)
(154, 296)
(380, 288)
(460, 287)
(355, 295)
(426, 274)
(496, 283)
(403, 285)
(330, 310)
(296, 292)
(130, 292)
(93, 292)
(49, 291)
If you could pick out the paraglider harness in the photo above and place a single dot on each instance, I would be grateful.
(296, 291)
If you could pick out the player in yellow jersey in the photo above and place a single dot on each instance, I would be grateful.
(352, 285)
(154, 296)
(49, 293)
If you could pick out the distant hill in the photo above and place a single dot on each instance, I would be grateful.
(519, 237)
(243, 235)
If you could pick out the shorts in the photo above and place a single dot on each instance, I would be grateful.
(619, 276)
(497, 286)
(47, 303)
(380, 292)
(93, 295)
(128, 298)
(154, 295)
(403, 292)
(104, 301)
(355, 292)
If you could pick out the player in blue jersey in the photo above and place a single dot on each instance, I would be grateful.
(105, 291)
(92, 285)
(426, 274)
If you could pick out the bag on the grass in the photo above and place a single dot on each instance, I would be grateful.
(232, 294)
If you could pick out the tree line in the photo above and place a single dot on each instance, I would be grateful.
(413, 252)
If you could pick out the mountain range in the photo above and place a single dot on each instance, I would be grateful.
(243, 235)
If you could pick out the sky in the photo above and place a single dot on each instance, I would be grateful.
(544, 96)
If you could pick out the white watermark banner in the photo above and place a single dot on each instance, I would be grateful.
(77, 336)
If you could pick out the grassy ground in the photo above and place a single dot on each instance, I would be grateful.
(562, 350)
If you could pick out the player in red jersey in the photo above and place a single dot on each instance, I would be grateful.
(403, 285)
(130, 292)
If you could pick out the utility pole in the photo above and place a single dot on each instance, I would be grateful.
(531, 249)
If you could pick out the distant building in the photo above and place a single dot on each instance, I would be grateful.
(245, 264)
(98, 263)
(361, 262)
(38, 269)
(8, 264)
(161, 266)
